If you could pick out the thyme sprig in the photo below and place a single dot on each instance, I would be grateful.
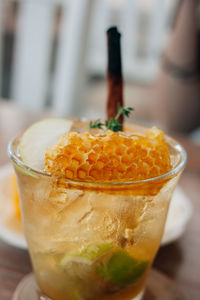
(96, 124)
(113, 123)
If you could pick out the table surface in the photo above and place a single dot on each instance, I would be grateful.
(179, 260)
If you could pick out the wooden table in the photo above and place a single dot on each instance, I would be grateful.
(180, 260)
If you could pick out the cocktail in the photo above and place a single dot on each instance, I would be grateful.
(94, 214)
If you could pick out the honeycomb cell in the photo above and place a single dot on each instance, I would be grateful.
(109, 156)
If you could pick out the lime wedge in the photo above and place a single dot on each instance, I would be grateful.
(122, 269)
(38, 137)
(87, 255)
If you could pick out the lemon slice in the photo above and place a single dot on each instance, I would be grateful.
(87, 255)
(38, 137)
(122, 269)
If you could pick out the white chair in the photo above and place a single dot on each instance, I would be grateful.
(81, 20)
(129, 15)
(33, 49)
(70, 72)
(32, 53)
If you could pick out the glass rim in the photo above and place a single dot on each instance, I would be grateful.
(166, 175)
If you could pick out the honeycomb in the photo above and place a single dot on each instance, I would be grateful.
(109, 156)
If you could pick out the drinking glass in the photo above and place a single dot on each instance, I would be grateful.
(90, 240)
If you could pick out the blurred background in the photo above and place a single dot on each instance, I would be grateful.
(53, 61)
(53, 55)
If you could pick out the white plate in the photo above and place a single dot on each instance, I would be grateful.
(180, 212)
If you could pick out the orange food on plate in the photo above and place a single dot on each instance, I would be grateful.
(15, 196)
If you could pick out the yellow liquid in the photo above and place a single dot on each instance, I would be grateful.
(60, 218)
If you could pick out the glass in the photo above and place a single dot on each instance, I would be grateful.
(94, 240)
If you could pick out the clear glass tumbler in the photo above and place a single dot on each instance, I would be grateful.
(93, 240)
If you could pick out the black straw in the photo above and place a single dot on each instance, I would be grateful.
(114, 74)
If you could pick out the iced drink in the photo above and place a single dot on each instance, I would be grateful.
(95, 212)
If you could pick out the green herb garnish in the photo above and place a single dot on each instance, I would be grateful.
(113, 123)
(96, 124)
